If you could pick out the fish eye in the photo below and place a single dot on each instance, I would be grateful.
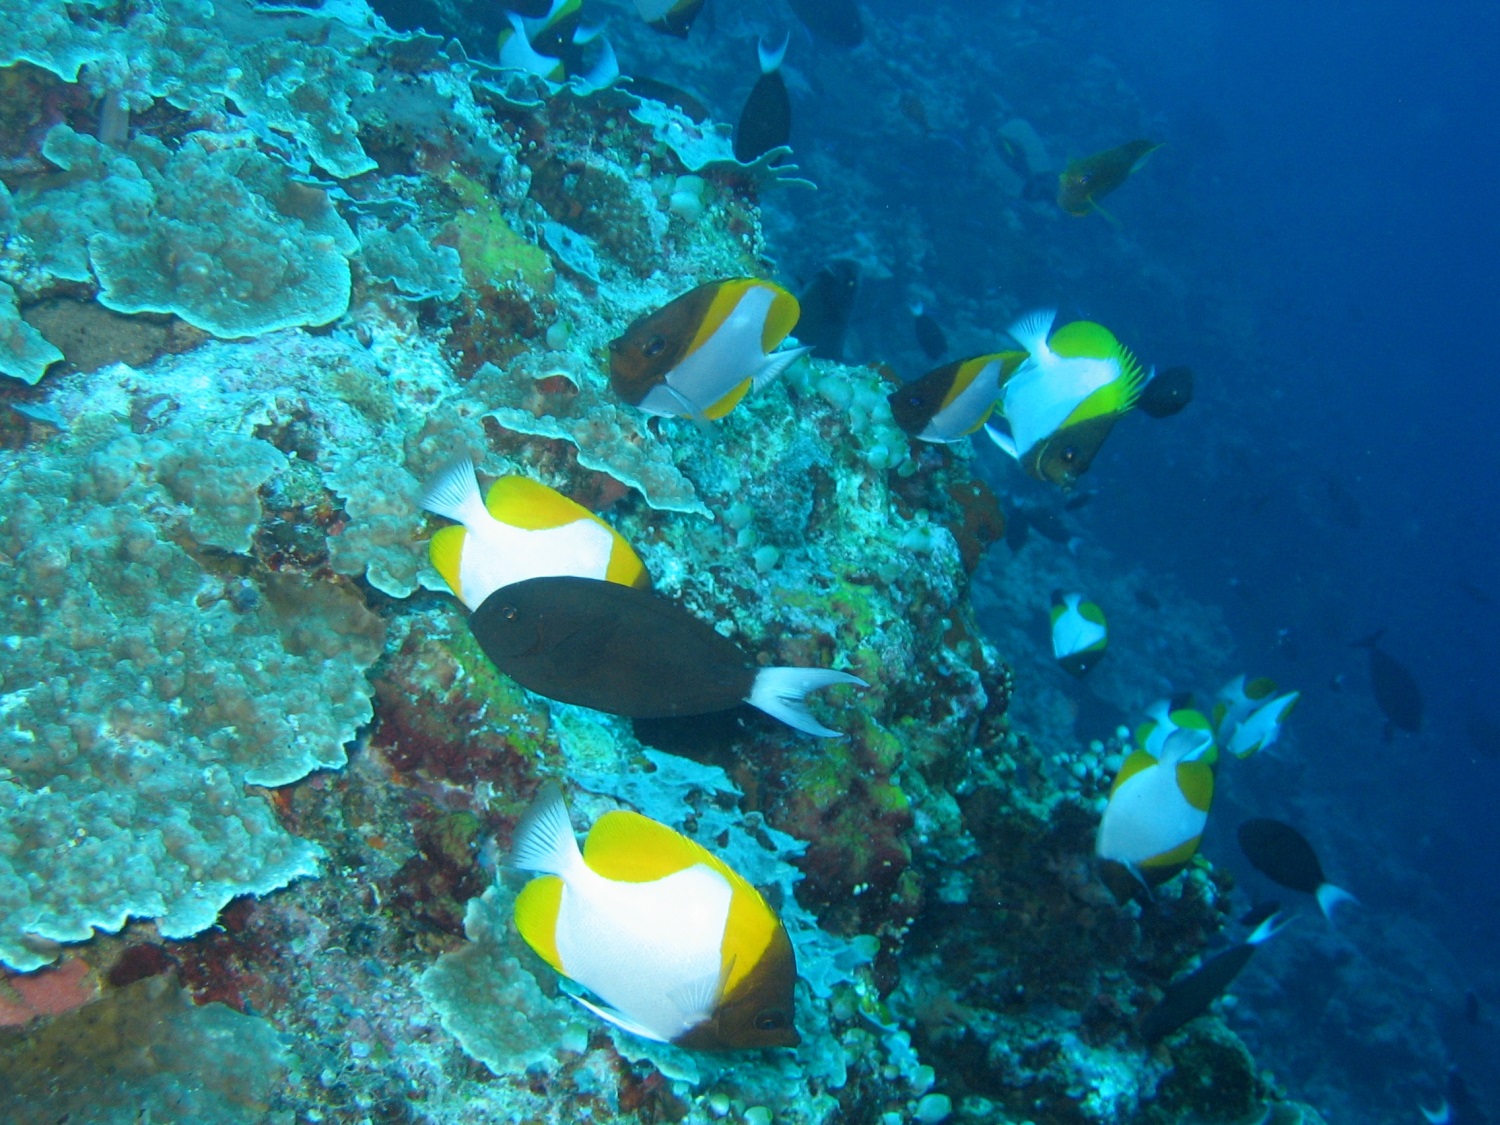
(508, 612)
(1069, 455)
(653, 347)
(772, 1019)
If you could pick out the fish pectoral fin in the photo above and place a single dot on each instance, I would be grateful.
(619, 1019)
(578, 653)
(1114, 222)
(697, 999)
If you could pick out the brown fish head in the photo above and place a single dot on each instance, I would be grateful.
(759, 1012)
(1068, 453)
(512, 626)
(913, 405)
(656, 343)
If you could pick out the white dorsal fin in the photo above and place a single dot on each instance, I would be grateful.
(1032, 330)
(544, 839)
(454, 493)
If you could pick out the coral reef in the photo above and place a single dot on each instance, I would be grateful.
(324, 259)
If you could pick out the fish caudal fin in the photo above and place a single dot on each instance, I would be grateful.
(1329, 897)
(770, 57)
(777, 362)
(1032, 330)
(780, 693)
(454, 493)
(544, 839)
(1269, 928)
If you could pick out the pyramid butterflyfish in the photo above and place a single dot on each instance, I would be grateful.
(697, 355)
(521, 529)
(1080, 633)
(1238, 698)
(1250, 733)
(953, 401)
(672, 943)
(1158, 807)
(1163, 720)
(627, 651)
(1061, 403)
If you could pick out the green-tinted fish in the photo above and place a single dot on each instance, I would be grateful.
(1084, 182)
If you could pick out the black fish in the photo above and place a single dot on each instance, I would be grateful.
(930, 335)
(1167, 392)
(667, 94)
(833, 21)
(827, 300)
(1396, 691)
(629, 652)
(766, 121)
(1050, 525)
(1189, 997)
(1283, 855)
(1079, 499)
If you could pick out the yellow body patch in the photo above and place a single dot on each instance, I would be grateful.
(1175, 857)
(631, 848)
(536, 917)
(1137, 761)
(1196, 780)
(445, 549)
(531, 506)
(780, 320)
(728, 402)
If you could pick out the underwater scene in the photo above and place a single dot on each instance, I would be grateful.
(787, 562)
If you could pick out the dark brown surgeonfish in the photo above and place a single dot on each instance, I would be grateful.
(1283, 855)
(1167, 393)
(1396, 691)
(1084, 182)
(1189, 997)
(629, 652)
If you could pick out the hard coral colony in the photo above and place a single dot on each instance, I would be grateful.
(276, 280)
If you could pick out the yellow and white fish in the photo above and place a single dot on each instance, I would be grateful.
(1080, 633)
(1060, 404)
(673, 943)
(521, 530)
(953, 401)
(1237, 698)
(1163, 720)
(1259, 729)
(697, 355)
(1158, 807)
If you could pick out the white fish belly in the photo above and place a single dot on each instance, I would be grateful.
(641, 947)
(498, 555)
(1147, 816)
(1039, 397)
(724, 361)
